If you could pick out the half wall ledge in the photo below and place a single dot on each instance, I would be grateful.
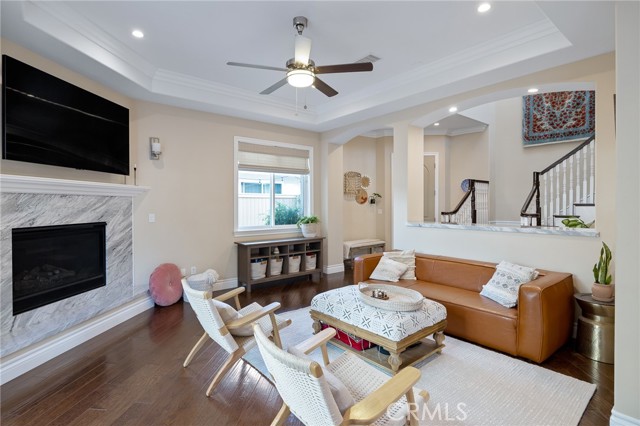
(541, 230)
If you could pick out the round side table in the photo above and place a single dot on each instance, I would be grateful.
(596, 326)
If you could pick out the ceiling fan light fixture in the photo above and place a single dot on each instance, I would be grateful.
(300, 78)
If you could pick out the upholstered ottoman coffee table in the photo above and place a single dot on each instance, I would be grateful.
(395, 331)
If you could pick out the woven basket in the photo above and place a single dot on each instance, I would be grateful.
(400, 299)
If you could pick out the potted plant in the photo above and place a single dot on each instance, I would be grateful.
(308, 225)
(602, 289)
(373, 197)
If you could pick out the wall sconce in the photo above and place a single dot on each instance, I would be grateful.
(156, 148)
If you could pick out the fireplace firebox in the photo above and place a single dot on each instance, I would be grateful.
(51, 263)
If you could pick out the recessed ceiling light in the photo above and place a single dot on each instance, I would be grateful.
(484, 7)
(137, 33)
(453, 109)
(436, 124)
(532, 90)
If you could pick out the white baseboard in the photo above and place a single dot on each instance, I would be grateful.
(619, 419)
(18, 363)
(333, 269)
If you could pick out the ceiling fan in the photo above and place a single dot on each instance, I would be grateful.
(301, 70)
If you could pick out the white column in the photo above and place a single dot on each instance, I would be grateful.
(331, 212)
(408, 191)
(626, 409)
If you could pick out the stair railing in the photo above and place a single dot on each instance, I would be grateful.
(472, 208)
(568, 181)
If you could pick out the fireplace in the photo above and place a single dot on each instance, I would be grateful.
(51, 263)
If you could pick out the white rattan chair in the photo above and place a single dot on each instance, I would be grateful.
(301, 382)
(223, 333)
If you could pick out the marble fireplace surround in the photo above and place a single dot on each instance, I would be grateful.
(31, 201)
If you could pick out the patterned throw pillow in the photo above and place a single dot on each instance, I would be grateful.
(505, 283)
(388, 270)
(408, 257)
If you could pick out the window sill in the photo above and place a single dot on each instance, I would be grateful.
(542, 230)
(292, 231)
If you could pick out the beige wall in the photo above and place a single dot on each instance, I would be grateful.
(440, 144)
(192, 187)
(361, 220)
(468, 159)
(512, 165)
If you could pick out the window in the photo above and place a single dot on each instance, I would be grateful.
(273, 182)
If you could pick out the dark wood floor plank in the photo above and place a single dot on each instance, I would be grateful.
(133, 374)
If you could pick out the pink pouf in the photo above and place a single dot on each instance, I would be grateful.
(164, 284)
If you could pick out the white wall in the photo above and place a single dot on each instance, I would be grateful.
(626, 409)
(440, 144)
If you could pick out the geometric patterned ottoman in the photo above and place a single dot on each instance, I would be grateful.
(395, 331)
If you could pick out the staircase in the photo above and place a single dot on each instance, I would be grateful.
(564, 189)
(473, 207)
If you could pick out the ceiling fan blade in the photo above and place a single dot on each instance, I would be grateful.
(324, 87)
(260, 67)
(356, 67)
(274, 87)
(302, 50)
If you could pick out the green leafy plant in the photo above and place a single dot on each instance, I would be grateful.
(284, 215)
(601, 269)
(574, 222)
(304, 220)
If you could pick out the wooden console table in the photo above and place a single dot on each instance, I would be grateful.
(290, 251)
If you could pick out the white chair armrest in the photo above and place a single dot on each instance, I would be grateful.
(315, 341)
(253, 316)
(375, 404)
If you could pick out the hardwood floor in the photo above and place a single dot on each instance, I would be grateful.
(133, 375)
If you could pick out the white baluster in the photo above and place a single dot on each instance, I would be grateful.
(551, 193)
(592, 195)
(564, 187)
(545, 207)
(585, 163)
(570, 205)
(578, 181)
(557, 209)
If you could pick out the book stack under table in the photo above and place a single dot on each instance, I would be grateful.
(272, 260)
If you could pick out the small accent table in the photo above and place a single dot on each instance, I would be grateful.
(596, 325)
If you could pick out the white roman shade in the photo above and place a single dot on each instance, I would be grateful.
(272, 159)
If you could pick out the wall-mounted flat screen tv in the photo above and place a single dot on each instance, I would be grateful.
(49, 121)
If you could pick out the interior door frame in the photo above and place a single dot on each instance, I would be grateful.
(436, 185)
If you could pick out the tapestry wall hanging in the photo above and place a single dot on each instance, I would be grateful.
(558, 117)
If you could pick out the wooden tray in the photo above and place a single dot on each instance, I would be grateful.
(400, 299)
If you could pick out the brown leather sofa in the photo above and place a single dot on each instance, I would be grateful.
(539, 325)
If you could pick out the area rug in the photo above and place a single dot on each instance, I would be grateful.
(470, 385)
(558, 117)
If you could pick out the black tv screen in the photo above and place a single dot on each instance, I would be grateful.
(49, 121)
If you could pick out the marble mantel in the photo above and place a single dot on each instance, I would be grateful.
(28, 201)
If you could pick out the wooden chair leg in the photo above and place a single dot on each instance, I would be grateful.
(195, 349)
(282, 416)
(233, 358)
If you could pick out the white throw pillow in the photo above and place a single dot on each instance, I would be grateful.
(388, 270)
(203, 281)
(339, 391)
(504, 285)
(408, 257)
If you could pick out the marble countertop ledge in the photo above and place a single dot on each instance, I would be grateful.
(541, 230)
